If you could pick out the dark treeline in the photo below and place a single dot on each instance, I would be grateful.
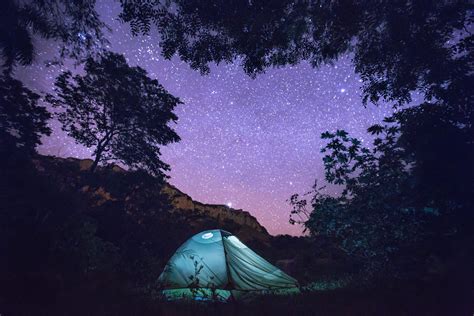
(404, 218)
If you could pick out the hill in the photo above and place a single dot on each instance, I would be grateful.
(71, 174)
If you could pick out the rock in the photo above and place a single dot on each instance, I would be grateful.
(103, 196)
(248, 225)
(85, 164)
(116, 168)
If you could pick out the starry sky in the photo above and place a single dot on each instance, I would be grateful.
(248, 143)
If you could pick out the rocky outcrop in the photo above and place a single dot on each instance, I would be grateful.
(246, 224)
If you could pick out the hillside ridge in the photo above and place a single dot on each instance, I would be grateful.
(198, 213)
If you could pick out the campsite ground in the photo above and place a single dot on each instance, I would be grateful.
(438, 300)
(407, 299)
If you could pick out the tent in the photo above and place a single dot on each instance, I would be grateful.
(215, 265)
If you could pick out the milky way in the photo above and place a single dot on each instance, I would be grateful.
(248, 143)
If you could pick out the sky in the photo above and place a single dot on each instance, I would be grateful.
(248, 143)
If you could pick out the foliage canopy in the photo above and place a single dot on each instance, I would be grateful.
(397, 47)
(22, 120)
(74, 24)
(119, 111)
(410, 190)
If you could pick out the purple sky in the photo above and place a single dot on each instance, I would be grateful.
(249, 143)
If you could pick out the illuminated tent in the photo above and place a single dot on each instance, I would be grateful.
(215, 265)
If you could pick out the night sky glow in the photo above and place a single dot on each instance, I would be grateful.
(247, 143)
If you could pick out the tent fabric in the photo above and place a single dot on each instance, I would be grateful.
(216, 265)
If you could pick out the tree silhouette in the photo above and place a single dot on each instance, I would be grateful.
(22, 120)
(376, 218)
(397, 47)
(75, 24)
(412, 190)
(117, 110)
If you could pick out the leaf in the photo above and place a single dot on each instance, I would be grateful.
(341, 133)
(375, 129)
(327, 135)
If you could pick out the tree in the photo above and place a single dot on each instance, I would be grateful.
(403, 196)
(397, 47)
(374, 217)
(75, 24)
(22, 120)
(442, 150)
(117, 110)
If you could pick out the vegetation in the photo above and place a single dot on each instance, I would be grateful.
(22, 120)
(75, 25)
(64, 247)
(119, 111)
(396, 47)
(391, 207)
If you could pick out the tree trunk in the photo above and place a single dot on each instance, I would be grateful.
(101, 146)
(96, 160)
